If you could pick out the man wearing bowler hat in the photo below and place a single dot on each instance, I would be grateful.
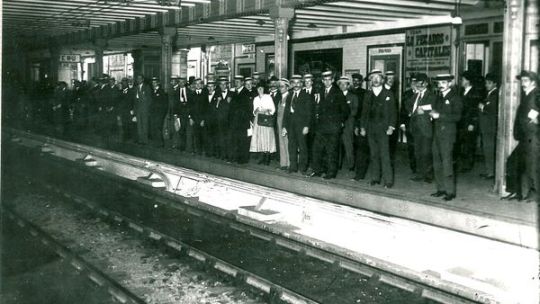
(487, 119)
(445, 113)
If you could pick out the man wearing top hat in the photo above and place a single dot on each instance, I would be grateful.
(471, 96)
(142, 104)
(240, 113)
(347, 137)
(379, 118)
(417, 109)
(296, 125)
(526, 131)
(221, 114)
(331, 115)
(445, 113)
(158, 110)
(211, 135)
(487, 118)
(199, 106)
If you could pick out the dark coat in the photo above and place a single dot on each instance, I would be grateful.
(523, 128)
(198, 106)
(303, 110)
(420, 123)
(142, 99)
(221, 108)
(240, 111)
(450, 109)
(470, 107)
(160, 103)
(332, 112)
(379, 112)
(489, 115)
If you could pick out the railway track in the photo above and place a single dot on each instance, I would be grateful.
(132, 203)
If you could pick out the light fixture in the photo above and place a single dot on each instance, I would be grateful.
(260, 22)
(312, 25)
(211, 38)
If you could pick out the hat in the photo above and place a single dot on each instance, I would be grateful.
(210, 82)
(238, 77)
(248, 79)
(285, 81)
(296, 77)
(223, 79)
(357, 76)
(389, 73)
(155, 78)
(529, 74)
(413, 76)
(256, 73)
(197, 79)
(344, 78)
(308, 76)
(273, 78)
(327, 74)
(492, 77)
(421, 77)
(182, 78)
(441, 77)
(468, 75)
(175, 77)
(374, 71)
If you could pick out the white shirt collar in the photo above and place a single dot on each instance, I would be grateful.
(377, 90)
(529, 90)
(491, 91)
(345, 92)
(387, 87)
(444, 93)
(467, 89)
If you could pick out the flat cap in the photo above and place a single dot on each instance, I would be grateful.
(357, 76)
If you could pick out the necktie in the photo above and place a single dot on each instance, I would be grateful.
(418, 97)
(326, 91)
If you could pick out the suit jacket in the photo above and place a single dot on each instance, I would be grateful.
(221, 108)
(198, 106)
(420, 123)
(126, 101)
(160, 102)
(332, 111)
(489, 115)
(240, 111)
(379, 112)
(470, 107)
(303, 108)
(450, 109)
(142, 99)
(352, 102)
(523, 128)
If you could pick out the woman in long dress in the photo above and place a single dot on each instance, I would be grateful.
(263, 140)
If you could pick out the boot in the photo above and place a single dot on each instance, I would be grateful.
(267, 159)
(262, 159)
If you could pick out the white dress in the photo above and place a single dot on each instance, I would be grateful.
(263, 138)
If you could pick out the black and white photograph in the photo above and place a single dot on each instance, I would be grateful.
(270, 152)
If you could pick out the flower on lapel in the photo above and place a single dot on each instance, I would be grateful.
(387, 98)
(219, 98)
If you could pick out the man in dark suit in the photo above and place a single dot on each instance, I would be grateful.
(142, 104)
(408, 98)
(221, 110)
(125, 107)
(420, 128)
(347, 137)
(331, 115)
(276, 97)
(357, 89)
(311, 90)
(240, 114)
(361, 142)
(526, 131)
(211, 137)
(199, 106)
(174, 120)
(158, 110)
(379, 118)
(446, 113)
(296, 124)
(487, 119)
(468, 126)
(60, 106)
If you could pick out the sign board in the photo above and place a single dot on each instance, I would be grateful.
(70, 58)
(429, 50)
(248, 48)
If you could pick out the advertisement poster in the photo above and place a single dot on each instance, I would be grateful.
(429, 50)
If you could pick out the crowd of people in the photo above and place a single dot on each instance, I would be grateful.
(316, 126)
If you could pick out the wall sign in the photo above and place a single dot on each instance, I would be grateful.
(248, 48)
(429, 50)
(70, 58)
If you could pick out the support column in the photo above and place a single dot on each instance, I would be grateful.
(281, 17)
(167, 38)
(99, 46)
(510, 89)
(55, 61)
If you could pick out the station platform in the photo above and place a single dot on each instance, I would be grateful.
(476, 210)
(469, 265)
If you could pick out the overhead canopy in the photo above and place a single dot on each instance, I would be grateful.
(135, 23)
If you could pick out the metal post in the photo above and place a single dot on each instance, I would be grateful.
(510, 89)
(167, 38)
(281, 16)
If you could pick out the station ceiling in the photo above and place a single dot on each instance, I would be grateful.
(136, 23)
